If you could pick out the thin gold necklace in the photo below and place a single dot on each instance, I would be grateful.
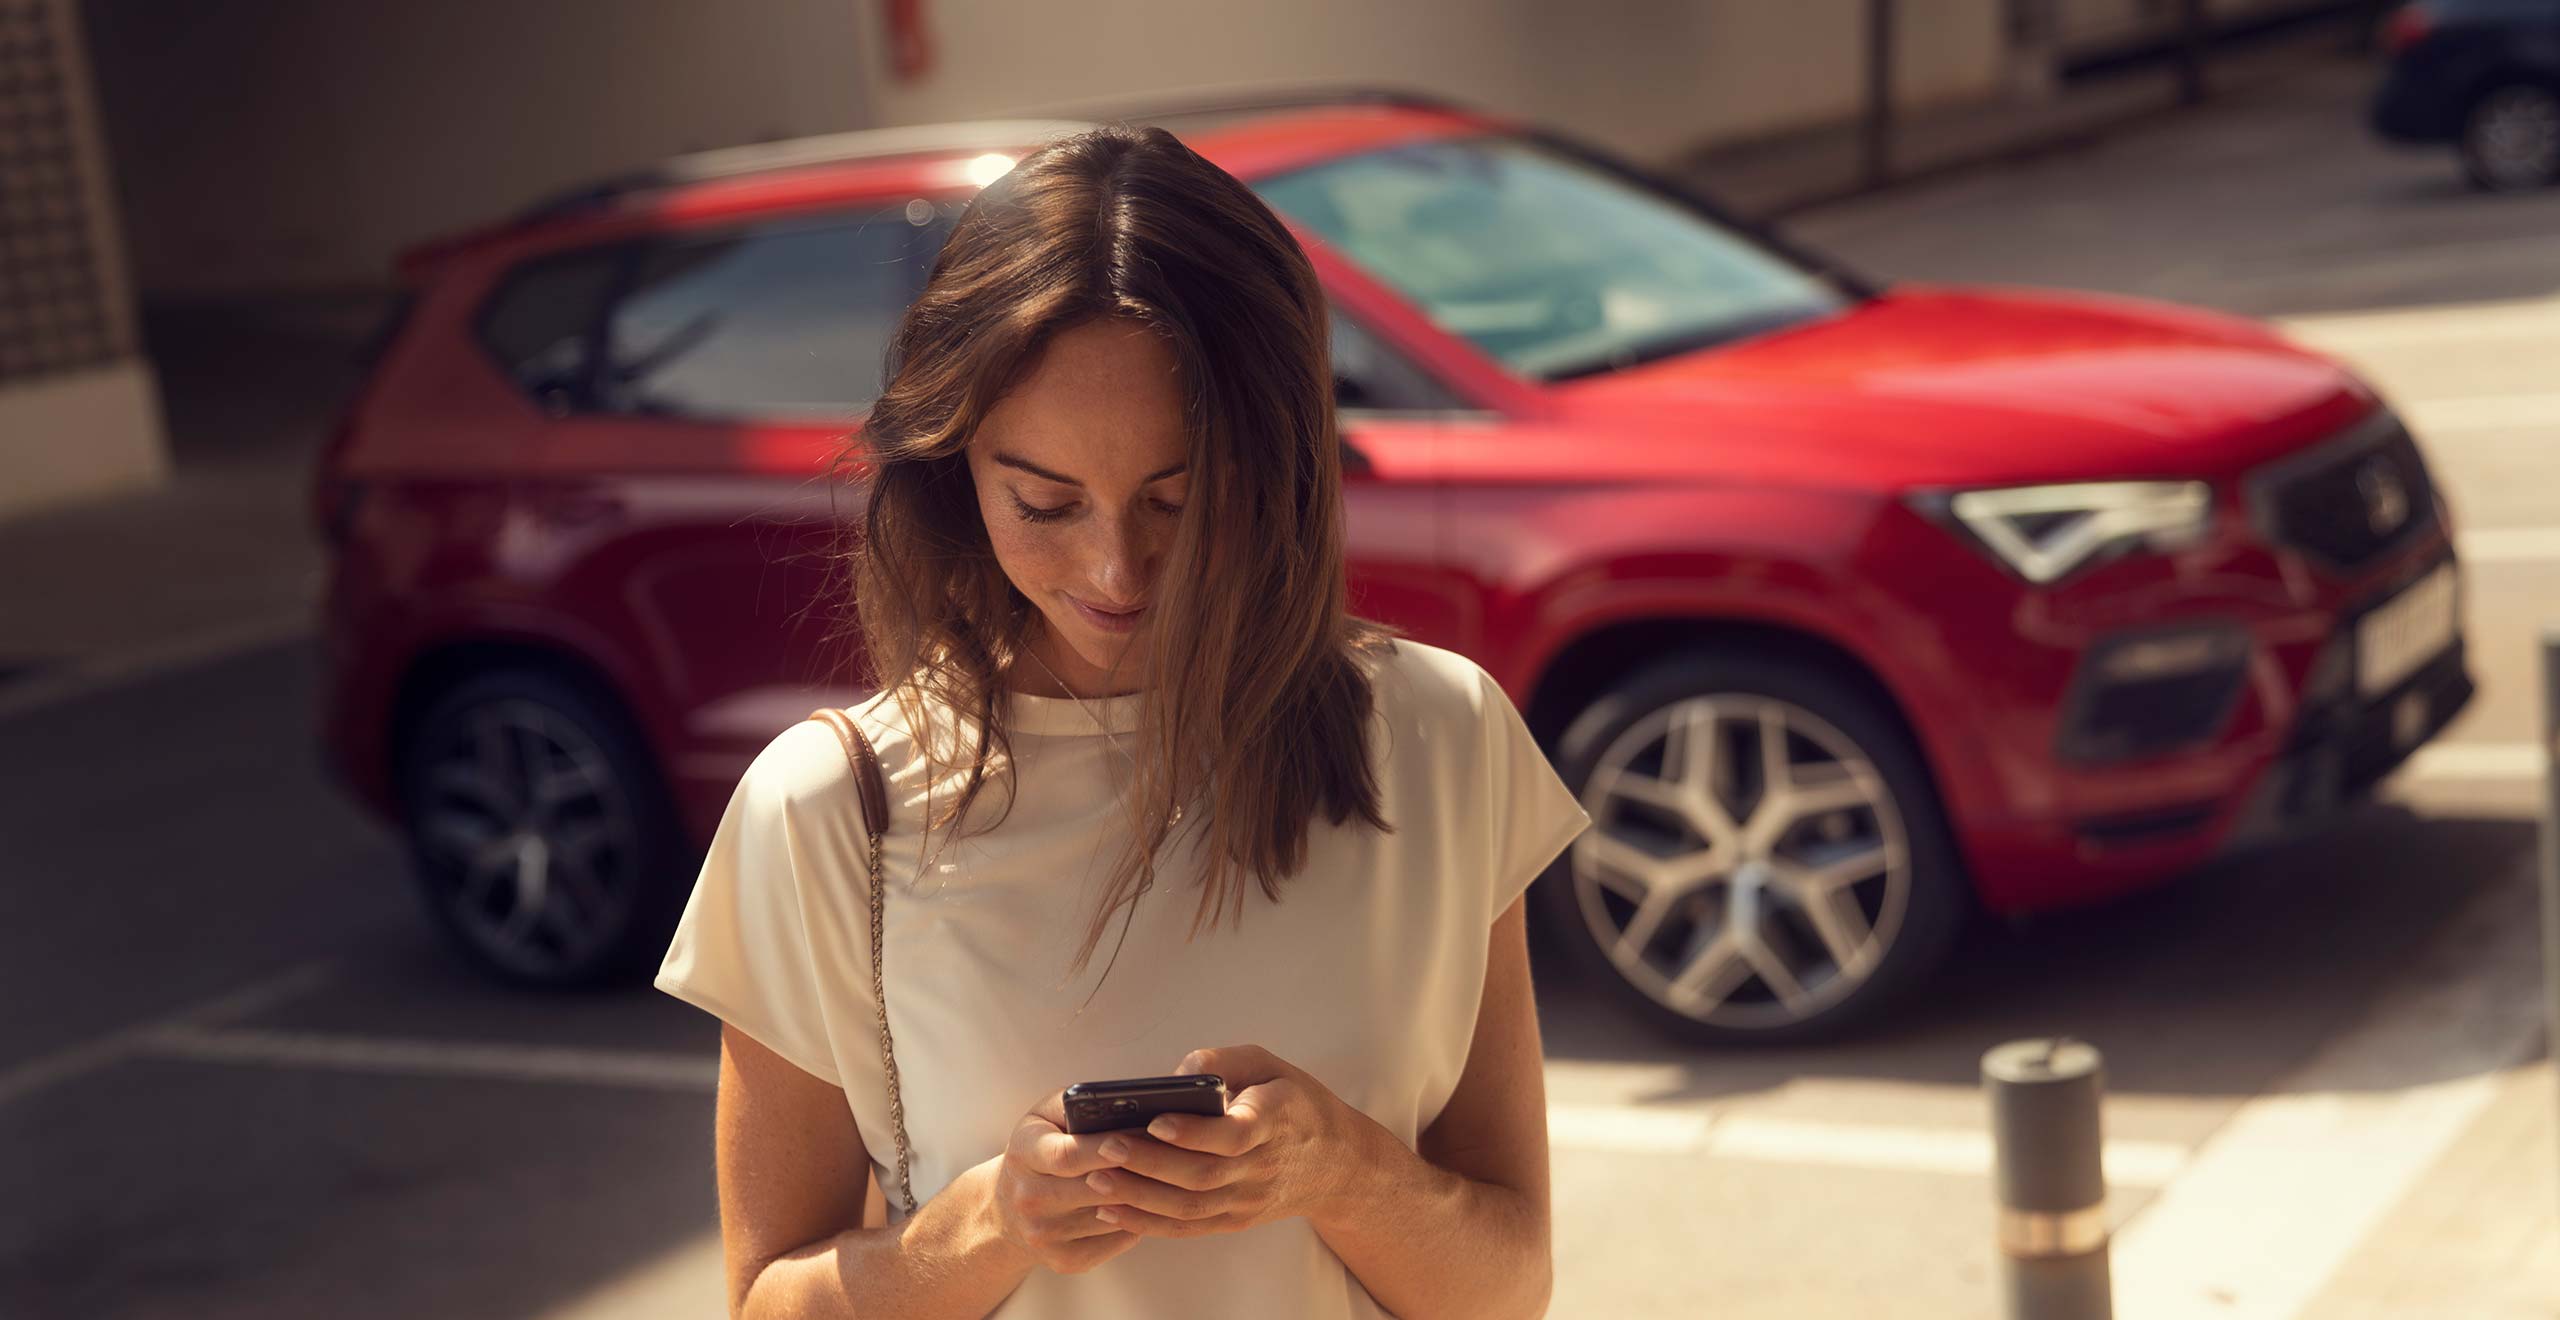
(1107, 732)
(1145, 884)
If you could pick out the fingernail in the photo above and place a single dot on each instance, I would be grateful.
(1160, 1129)
(1100, 1182)
(1116, 1149)
(1107, 1215)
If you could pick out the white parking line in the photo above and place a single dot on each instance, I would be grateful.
(2507, 545)
(649, 1070)
(2529, 318)
(2476, 762)
(73, 1061)
(1769, 1140)
(1918, 1150)
(2270, 1205)
(2489, 412)
(1631, 1129)
(103, 673)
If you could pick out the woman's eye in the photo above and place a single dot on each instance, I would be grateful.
(1034, 513)
(1166, 507)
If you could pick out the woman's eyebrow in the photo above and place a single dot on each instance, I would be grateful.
(1064, 480)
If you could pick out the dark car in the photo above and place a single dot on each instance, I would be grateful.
(1844, 609)
(2483, 76)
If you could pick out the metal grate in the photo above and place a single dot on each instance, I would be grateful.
(54, 314)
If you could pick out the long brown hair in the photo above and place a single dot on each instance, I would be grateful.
(1257, 713)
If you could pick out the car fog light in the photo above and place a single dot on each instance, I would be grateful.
(2166, 657)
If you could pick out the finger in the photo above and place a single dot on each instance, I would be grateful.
(1121, 1187)
(1040, 1196)
(1067, 1154)
(1088, 1253)
(1144, 1155)
(1144, 1224)
(1083, 1222)
(1240, 1065)
(1238, 1132)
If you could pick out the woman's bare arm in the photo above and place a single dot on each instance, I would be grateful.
(1460, 1226)
(792, 1172)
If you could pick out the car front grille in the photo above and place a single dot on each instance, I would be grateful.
(2349, 500)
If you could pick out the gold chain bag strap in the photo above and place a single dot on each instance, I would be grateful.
(875, 822)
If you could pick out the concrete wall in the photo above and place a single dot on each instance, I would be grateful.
(266, 145)
(278, 144)
(1648, 77)
(2104, 25)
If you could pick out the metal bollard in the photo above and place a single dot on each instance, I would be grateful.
(2052, 1187)
(2551, 827)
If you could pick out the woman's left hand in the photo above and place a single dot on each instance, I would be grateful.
(1284, 1148)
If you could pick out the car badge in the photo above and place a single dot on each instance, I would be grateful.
(2386, 497)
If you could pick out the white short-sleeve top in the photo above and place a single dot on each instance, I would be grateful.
(1367, 973)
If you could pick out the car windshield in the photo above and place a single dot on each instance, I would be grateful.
(1554, 266)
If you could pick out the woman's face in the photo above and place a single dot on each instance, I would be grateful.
(1080, 477)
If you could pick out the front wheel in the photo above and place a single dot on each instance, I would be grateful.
(1767, 861)
(2511, 138)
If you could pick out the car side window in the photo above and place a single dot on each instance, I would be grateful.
(1372, 377)
(787, 319)
(541, 323)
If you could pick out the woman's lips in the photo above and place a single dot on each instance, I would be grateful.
(1108, 621)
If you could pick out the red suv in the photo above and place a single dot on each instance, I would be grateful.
(1846, 609)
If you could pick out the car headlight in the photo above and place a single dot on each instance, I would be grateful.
(2045, 533)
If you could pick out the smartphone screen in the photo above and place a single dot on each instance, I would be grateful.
(1132, 1102)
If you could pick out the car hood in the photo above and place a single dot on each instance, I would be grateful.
(1932, 386)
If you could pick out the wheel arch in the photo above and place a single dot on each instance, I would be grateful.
(439, 668)
(1601, 656)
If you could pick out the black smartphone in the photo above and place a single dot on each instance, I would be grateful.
(1132, 1102)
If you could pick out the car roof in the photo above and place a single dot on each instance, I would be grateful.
(1247, 136)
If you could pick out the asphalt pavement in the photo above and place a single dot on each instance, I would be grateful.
(239, 1079)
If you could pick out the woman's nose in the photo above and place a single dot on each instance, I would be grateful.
(1125, 563)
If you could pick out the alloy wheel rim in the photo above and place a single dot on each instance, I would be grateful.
(1747, 866)
(2516, 137)
(532, 843)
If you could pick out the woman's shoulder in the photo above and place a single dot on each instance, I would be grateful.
(808, 763)
(1416, 681)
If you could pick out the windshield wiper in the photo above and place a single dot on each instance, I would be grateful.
(1688, 341)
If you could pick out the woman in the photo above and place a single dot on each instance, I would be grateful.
(1158, 804)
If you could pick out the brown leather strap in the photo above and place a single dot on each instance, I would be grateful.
(866, 769)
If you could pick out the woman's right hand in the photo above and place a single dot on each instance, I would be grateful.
(1043, 1206)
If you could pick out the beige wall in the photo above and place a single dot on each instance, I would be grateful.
(268, 144)
(80, 434)
(79, 409)
(1648, 77)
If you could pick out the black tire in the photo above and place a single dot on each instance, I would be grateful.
(2511, 138)
(1937, 898)
(607, 809)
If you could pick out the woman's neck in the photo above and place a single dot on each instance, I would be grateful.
(1041, 671)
